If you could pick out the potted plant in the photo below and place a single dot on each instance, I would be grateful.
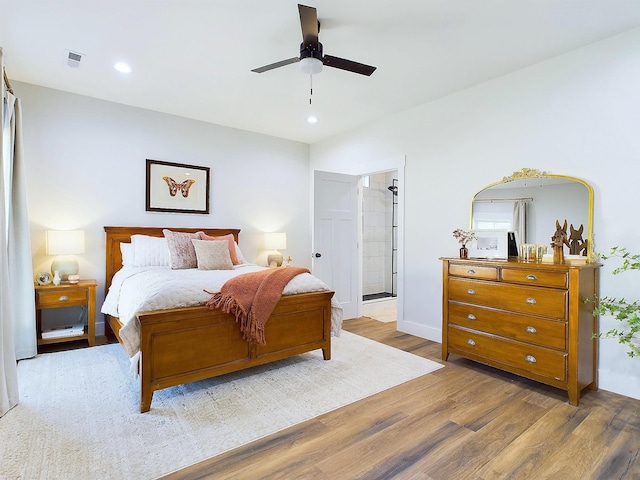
(464, 237)
(621, 309)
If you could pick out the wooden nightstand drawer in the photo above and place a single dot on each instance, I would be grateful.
(473, 271)
(539, 331)
(81, 294)
(545, 302)
(525, 357)
(62, 298)
(539, 278)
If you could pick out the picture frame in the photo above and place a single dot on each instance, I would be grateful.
(490, 244)
(177, 188)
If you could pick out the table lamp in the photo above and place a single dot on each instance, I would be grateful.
(275, 242)
(65, 242)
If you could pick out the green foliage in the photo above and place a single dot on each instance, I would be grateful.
(619, 308)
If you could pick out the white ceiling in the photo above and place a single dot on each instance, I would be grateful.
(193, 57)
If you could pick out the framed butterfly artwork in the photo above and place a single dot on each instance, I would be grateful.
(175, 187)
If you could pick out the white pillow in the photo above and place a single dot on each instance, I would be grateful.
(212, 255)
(150, 251)
(128, 255)
(239, 254)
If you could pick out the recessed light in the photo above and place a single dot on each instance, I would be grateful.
(312, 119)
(122, 67)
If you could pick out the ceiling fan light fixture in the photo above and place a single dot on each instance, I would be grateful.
(310, 66)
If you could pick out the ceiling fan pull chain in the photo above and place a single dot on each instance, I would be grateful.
(310, 88)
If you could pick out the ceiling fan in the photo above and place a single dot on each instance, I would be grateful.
(311, 58)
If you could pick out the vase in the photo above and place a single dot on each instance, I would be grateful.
(464, 252)
(56, 278)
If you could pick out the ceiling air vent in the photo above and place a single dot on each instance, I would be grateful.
(73, 59)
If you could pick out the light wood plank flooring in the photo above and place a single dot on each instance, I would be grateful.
(465, 421)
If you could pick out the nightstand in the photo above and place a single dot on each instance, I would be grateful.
(80, 294)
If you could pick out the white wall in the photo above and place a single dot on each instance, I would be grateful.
(576, 114)
(86, 169)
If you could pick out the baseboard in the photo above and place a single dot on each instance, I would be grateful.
(422, 331)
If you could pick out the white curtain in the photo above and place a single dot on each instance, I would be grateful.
(520, 219)
(17, 311)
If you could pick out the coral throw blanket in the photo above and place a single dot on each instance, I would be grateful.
(252, 297)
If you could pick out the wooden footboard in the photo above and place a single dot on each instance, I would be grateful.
(189, 344)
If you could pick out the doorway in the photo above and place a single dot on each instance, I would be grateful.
(337, 234)
(379, 199)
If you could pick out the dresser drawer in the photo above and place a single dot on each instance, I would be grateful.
(61, 298)
(473, 271)
(522, 356)
(539, 331)
(534, 277)
(544, 302)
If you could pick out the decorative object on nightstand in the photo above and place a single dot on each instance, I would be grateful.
(80, 294)
(274, 242)
(43, 278)
(65, 242)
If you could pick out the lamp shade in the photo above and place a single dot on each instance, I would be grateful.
(65, 242)
(275, 241)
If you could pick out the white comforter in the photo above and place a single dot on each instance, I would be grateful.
(139, 289)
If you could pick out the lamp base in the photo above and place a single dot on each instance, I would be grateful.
(275, 259)
(64, 268)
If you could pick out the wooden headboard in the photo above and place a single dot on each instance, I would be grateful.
(118, 235)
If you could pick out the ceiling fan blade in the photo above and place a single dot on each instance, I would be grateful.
(309, 24)
(348, 65)
(271, 66)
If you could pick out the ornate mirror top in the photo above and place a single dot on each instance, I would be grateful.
(525, 173)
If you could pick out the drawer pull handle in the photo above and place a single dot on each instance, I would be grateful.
(471, 316)
(531, 301)
(471, 291)
(531, 330)
(471, 272)
(530, 359)
(531, 277)
(471, 342)
(63, 298)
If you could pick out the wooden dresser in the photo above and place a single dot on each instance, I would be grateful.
(526, 318)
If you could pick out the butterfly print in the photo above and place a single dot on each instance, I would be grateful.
(174, 186)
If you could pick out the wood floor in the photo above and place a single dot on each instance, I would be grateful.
(464, 421)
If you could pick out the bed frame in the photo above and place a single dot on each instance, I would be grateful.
(184, 345)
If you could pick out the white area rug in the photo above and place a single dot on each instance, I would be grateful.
(78, 413)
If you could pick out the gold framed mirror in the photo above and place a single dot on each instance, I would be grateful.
(530, 201)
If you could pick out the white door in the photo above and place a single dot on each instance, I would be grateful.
(335, 237)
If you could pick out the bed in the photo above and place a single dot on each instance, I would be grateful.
(186, 344)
